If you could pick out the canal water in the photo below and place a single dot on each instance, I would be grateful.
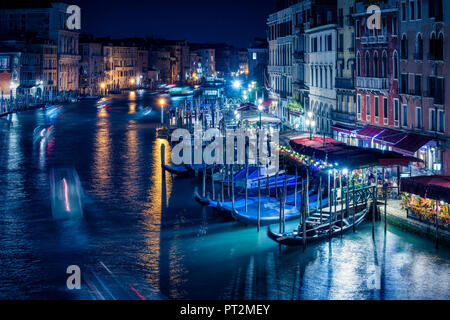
(142, 236)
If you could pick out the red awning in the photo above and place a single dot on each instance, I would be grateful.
(247, 107)
(369, 132)
(411, 144)
(267, 103)
(390, 137)
(431, 187)
(346, 156)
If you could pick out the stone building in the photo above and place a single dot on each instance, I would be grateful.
(344, 113)
(321, 74)
(377, 70)
(92, 68)
(120, 66)
(424, 90)
(47, 22)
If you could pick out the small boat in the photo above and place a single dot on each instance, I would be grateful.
(37, 105)
(270, 209)
(317, 231)
(90, 97)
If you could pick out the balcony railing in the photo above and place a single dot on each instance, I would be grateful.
(372, 83)
(344, 83)
(374, 39)
(299, 55)
(343, 116)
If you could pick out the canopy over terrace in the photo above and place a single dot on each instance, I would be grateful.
(430, 187)
(343, 156)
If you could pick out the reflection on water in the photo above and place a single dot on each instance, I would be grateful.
(132, 108)
(101, 183)
(156, 205)
(145, 226)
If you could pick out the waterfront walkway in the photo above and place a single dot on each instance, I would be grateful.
(397, 216)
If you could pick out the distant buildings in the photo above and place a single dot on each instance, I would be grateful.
(120, 66)
(47, 23)
(258, 58)
(92, 68)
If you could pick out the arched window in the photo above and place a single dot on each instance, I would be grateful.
(404, 47)
(395, 65)
(358, 64)
(433, 46)
(375, 65)
(384, 67)
(440, 47)
(419, 47)
(367, 64)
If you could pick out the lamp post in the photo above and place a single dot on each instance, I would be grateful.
(103, 85)
(162, 102)
(261, 109)
(310, 123)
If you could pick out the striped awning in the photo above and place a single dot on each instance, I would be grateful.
(369, 132)
(411, 144)
(389, 137)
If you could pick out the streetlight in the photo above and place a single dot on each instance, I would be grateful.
(162, 102)
(261, 109)
(237, 84)
(310, 123)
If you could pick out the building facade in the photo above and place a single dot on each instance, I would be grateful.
(344, 113)
(48, 22)
(258, 58)
(321, 58)
(424, 92)
(120, 67)
(281, 47)
(377, 70)
(91, 68)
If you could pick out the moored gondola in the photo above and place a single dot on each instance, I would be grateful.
(202, 200)
(315, 233)
(180, 171)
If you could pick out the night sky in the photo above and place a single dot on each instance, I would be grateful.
(236, 22)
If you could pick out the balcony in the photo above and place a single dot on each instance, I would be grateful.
(299, 85)
(343, 116)
(374, 39)
(344, 83)
(279, 69)
(372, 83)
(299, 56)
(299, 29)
(382, 39)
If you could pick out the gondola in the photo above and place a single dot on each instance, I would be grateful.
(177, 170)
(202, 200)
(316, 233)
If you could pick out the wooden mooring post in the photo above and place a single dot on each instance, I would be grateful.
(259, 200)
